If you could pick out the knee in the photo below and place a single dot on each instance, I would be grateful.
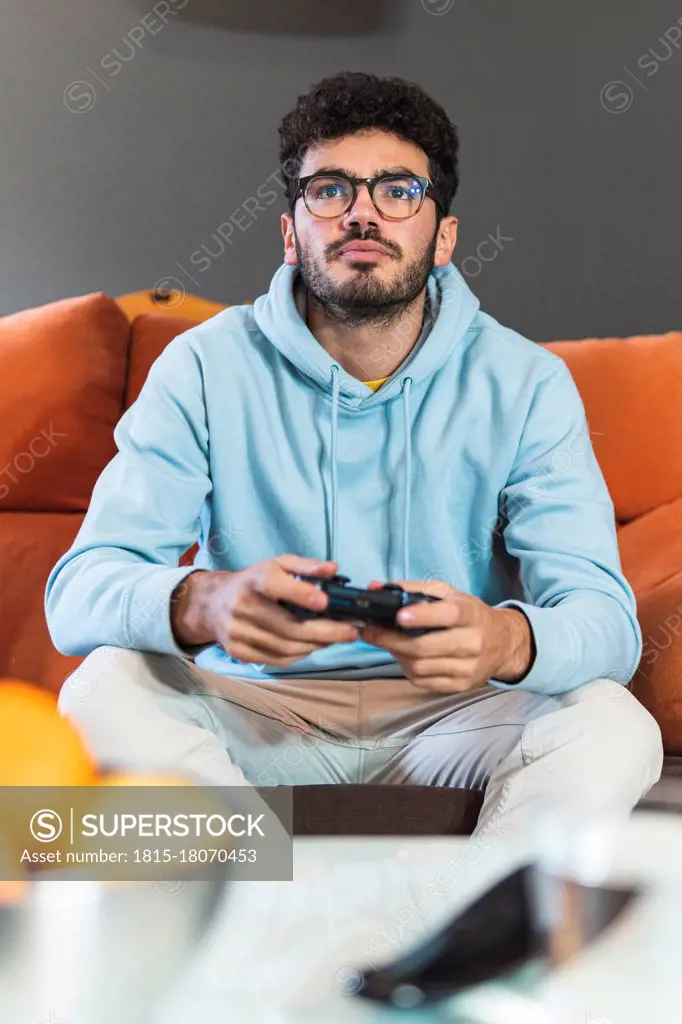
(624, 735)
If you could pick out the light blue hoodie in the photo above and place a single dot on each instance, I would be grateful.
(248, 436)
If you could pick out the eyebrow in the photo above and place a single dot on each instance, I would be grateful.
(401, 169)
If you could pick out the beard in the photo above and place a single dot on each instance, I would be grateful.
(365, 299)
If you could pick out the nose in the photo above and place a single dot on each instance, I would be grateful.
(363, 211)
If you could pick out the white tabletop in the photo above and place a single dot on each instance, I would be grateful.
(280, 952)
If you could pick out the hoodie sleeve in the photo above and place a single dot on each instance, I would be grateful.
(560, 525)
(113, 586)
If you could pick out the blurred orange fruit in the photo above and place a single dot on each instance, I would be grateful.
(13, 875)
(38, 747)
(13, 892)
(130, 778)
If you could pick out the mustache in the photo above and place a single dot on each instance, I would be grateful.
(336, 247)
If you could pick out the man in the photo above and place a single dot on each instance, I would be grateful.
(362, 417)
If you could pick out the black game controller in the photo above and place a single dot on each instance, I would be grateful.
(360, 607)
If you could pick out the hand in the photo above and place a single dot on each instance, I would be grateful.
(240, 611)
(472, 644)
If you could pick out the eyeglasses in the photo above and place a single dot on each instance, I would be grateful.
(395, 196)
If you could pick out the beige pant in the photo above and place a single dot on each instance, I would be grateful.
(596, 746)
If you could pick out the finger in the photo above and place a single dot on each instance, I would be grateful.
(433, 588)
(390, 639)
(257, 656)
(445, 643)
(277, 584)
(445, 614)
(243, 636)
(444, 684)
(326, 631)
(283, 623)
(455, 643)
(432, 668)
(307, 566)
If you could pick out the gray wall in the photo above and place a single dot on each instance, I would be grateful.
(114, 183)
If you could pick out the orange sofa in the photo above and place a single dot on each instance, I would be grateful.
(68, 370)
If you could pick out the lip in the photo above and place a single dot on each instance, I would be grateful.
(371, 250)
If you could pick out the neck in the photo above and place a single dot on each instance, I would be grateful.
(370, 351)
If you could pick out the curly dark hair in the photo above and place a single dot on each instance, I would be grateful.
(354, 101)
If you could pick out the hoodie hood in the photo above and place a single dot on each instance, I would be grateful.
(452, 307)
(450, 311)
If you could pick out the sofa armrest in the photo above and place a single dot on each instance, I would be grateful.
(658, 680)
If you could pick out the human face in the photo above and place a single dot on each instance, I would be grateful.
(352, 286)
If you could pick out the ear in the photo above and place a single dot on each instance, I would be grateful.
(446, 241)
(287, 224)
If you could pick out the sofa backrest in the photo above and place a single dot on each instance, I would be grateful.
(632, 392)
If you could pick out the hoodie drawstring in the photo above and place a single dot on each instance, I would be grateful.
(334, 530)
(335, 482)
(405, 392)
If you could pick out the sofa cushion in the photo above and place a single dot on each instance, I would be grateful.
(631, 390)
(651, 547)
(63, 371)
(149, 335)
(30, 544)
